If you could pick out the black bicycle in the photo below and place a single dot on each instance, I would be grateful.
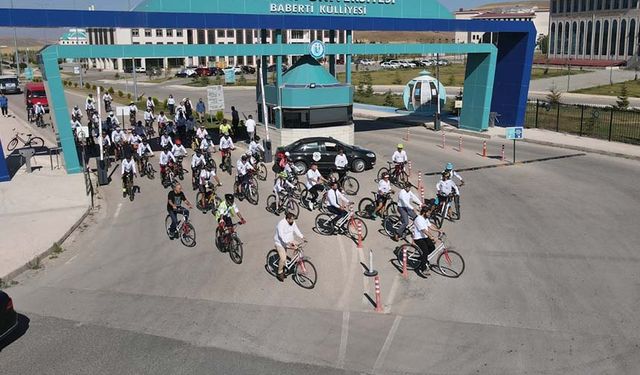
(227, 241)
(367, 206)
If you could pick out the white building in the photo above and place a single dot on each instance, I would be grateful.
(99, 36)
(538, 15)
(75, 37)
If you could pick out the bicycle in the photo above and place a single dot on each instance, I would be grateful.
(287, 204)
(249, 189)
(184, 229)
(40, 121)
(147, 168)
(367, 206)
(348, 184)
(327, 225)
(148, 129)
(211, 201)
(449, 205)
(260, 167)
(227, 241)
(320, 203)
(179, 171)
(225, 165)
(448, 262)
(300, 266)
(397, 174)
(107, 106)
(31, 141)
(130, 188)
(392, 223)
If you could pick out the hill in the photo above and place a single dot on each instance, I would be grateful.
(400, 37)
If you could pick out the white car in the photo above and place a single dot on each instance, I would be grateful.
(367, 62)
(409, 64)
(389, 65)
(426, 62)
(141, 69)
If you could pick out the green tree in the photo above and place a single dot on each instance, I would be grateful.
(111, 91)
(120, 94)
(388, 99)
(543, 43)
(623, 98)
(554, 96)
(451, 80)
(368, 81)
(397, 80)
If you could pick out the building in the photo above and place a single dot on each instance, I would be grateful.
(594, 32)
(74, 37)
(190, 36)
(537, 14)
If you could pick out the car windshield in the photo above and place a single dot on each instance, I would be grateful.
(4, 81)
(38, 94)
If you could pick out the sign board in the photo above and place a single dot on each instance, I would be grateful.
(215, 98)
(514, 133)
(230, 75)
(122, 111)
(317, 49)
(82, 132)
(458, 104)
(76, 70)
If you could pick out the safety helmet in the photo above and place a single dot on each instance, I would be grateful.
(75, 107)
(244, 157)
(228, 198)
(400, 145)
(282, 174)
(178, 142)
(446, 174)
(287, 154)
(448, 167)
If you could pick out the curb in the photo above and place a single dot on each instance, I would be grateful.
(451, 129)
(13, 274)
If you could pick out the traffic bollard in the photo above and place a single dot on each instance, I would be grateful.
(419, 179)
(405, 273)
(484, 149)
(444, 141)
(359, 234)
(503, 159)
(460, 144)
(406, 137)
(378, 297)
(422, 192)
(370, 272)
(409, 168)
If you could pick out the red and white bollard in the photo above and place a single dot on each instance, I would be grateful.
(419, 179)
(503, 159)
(378, 297)
(460, 144)
(484, 149)
(409, 173)
(406, 137)
(422, 193)
(405, 273)
(359, 234)
(444, 140)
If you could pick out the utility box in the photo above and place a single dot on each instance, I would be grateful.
(103, 172)
(268, 153)
(27, 154)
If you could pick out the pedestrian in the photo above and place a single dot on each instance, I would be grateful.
(200, 110)
(251, 128)
(171, 103)
(188, 107)
(235, 120)
(4, 105)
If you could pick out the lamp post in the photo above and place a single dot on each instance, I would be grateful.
(437, 121)
(569, 76)
(611, 70)
(15, 42)
(1, 47)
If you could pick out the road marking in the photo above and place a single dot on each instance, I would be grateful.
(118, 210)
(342, 352)
(387, 344)
(72, 259)
(392, 293)
(350, 271)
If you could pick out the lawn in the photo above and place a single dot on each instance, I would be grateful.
(218, 80)
(452, 75)
(633, 89)
(394, 101)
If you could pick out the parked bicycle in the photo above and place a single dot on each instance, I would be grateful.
(367, 206)
(227, 241)
(29, 141)
(184, 229)
(397, 175)
(448, 262)
(327, 225)
(300, 266)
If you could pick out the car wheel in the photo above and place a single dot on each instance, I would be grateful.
(358, 165)
(301, 167)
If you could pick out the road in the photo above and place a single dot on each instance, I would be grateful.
(550, 286)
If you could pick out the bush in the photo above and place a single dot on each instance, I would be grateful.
(101, 88)
(93, 87)
(204, 81)
(129, 96)
(75, 84)
(397, 80)
(218, 80)
(111, 91)
(164, 104)
(87, 86)
(451, 80)
(219, 116)
(242, 80)
(388, 99)
(117, 76)
(120, 94)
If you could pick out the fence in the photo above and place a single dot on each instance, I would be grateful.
(597, 122)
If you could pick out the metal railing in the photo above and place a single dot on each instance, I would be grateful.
(619, 125)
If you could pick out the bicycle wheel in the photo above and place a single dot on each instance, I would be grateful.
(391, 224)
(271, 203)
(381, 172)
(35, 142)
(324, 224)
(262, 172)
(436, 220)
(305, 274)
(167, 224)
(293, 208)
(402, 180)
(131, 191)
(353, 228)
(456, 207)
(227, 165)
(150, 172)
(12, 144)
(235, 250)
(451, 264)
(298, 189)
(199, 202)
(188, 235)
(272, 263)
(350, 185)
(251, 191)
(392, 209)
(413, 256)
(366, 208)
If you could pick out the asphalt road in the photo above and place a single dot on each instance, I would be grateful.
(551, 281)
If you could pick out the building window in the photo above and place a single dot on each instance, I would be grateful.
(179, 33)
(632, 37)
(159, 33)
(623, 32)
(248, 37)
(220, 33)
(239, 37)
(616, 4)
(554, 6)
(211, 37)
(229, 33)
(189, 36)
(135, 32)
(169, 32)
(566, 38)
(201, 37)
(559, 46)
(607, 4)
(625, 4)
(169, 42)
(576, 5)
(148, 43)
(591, 4)
(589, 36)
(634, 4)
(596, 40)
(552, 39)
(599, 5)
(574, 36)
(180, 43)
(581, 39)
(583, 5)
(159, 43)
(297, 34)
(605, 38)
(147, 32)
(561, 6)
(614, 36)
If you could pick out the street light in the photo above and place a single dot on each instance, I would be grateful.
(15, 42)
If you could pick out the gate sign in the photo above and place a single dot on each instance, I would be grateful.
(215, 98)
(515, 133)
(230, 75)
(317, 49)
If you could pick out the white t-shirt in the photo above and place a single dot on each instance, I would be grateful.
(399, 156)
(251, 125)
(406, 198)
(384, 186)
(285, 233)
(420, 224)
(446, 187)
(313, 177)
(341, 161)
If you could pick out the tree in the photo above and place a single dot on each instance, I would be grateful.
(623, 98)
(451, 80)
(388, 99)
(543, 43)
(368, 81)
(554, 95)
(397, 80)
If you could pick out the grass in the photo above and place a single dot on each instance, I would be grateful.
(633, 89)
(379, 99)
(452, 75)
(206, 81)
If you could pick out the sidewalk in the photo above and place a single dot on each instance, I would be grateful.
(36, 209)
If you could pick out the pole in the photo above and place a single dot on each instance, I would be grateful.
(514, 151)
(264, 100)
(15, 42)
(484, 149)
(405, 274)
(502, 153)
(569, 77)
(537, 107)
(378, 297)
(371, 272)
(460, 144)
(100, 122)
(437, 122)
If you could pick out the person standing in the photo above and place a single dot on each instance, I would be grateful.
(235, 120)
(4, 105)
(171, 103)
(251, 127)
(200, 110)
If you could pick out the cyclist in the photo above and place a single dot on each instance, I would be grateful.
(174, 207)
(450, 168)
(148, 117)
(201, 132)
(225, 128)
(406, 198)
(89, 105)
(162, 121)
(422, 236)
(133, 111)
(165, 141)
(226, 209)
(279, 188)
(128, 171)
(256, 148)
(106, 143)
(75, 114)
(206, 144)
(286, 231)
(384, 190)
(337, 202)
(151, 106)
(243, 166)
(226, 145)
(314, 184)
(165, 157)
(341, 164)
(139, 129)
(400, 157)
(114, 120)
(445, 188)
(204, 180)
(117, 140)
(178, 149)
(144, 151)
(39, 112)
(134, 139)
(107, 99)
(30, 115)
(198, 162)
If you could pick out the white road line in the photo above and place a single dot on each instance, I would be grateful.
(72, 259)
(117, 210)
(342, 352)
(351, 271)
(392, 293)
(387, 344)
